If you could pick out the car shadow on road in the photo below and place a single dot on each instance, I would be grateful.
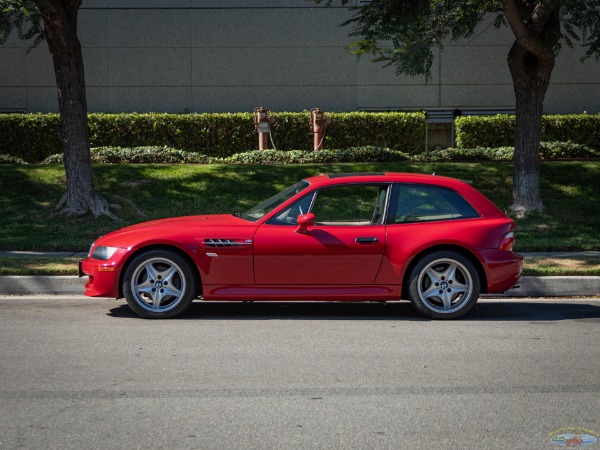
(489, 310)
(535, 311)
(289, 311)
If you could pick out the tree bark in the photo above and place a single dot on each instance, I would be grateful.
(531, 60)
(60, 29)
(530, 78)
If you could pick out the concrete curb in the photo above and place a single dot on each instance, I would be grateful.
(32, 284)
(530, 286)
(556, 287)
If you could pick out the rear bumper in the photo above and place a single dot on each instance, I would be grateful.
(503, 270)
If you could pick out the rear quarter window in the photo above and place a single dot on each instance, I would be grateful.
(411, 203)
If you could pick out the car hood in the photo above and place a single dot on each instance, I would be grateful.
(162, 228)
(187, 221)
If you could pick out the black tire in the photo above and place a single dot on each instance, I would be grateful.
(159, 284)
(444, 285)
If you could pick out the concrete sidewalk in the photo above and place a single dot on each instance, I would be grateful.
(558, 286)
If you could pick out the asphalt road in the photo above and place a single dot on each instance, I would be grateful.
(86, 373)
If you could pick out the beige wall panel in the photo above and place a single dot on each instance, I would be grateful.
(13, 99)
(96, 67)
(569, 68)
(13, 67)
(232, 28)
(148, 4)
(40, 69)
(231, 99)
(151, 99)
(370, 73)
(217, 55)
(288, 66)
(486, 34)
(149, 28)
(397, 97)
(271, 27)
(14, 41)
(478, 96)
(42, 99)
(92, 27)
(166, 67)
(94, 4)
(328, 98)
(572, 99)
(313, 66)
(311, 27)
(229, 4)
(232, 67)
(475, 65)
(98, 99)
(336, 4)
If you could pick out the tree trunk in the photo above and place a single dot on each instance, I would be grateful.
(531, 61)
(60, 28)
(531, 79)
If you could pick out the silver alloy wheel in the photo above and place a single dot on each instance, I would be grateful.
(158, 285)
(445, 285)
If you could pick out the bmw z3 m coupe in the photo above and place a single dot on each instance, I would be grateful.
(433, 240)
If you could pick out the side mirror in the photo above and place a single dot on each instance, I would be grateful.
(305, 221)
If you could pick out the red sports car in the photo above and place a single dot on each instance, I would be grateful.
(433, 240)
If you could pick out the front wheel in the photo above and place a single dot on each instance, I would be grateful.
(444, 285)
(159, 284)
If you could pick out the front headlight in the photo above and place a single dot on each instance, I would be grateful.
(103, 253)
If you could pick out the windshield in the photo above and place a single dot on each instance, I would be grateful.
(270, 204)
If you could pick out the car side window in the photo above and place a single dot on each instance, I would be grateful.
(420, 203)
(352, 204)
(290, 214)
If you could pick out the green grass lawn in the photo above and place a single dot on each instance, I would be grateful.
(570, 191)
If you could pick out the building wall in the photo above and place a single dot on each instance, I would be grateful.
(288, 55)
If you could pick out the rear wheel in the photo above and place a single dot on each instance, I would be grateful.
(159, 284)
(444, 285)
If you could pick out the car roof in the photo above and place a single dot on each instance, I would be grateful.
(476, 198)
(387, 177)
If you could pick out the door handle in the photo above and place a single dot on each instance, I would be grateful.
(366, 240)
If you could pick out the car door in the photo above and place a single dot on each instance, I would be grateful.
(345, 245)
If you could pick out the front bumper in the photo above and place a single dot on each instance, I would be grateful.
(103, 277)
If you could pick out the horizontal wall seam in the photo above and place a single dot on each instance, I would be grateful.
(158, 86)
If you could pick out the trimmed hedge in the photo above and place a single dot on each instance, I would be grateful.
(8, 159)
(34, 137)
(166, 155)
(499, 130)
(548, 151)
(138, 155)
(356, 154)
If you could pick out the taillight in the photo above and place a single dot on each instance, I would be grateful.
(508, 242)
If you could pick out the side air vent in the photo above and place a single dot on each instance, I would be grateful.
(225, 242)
